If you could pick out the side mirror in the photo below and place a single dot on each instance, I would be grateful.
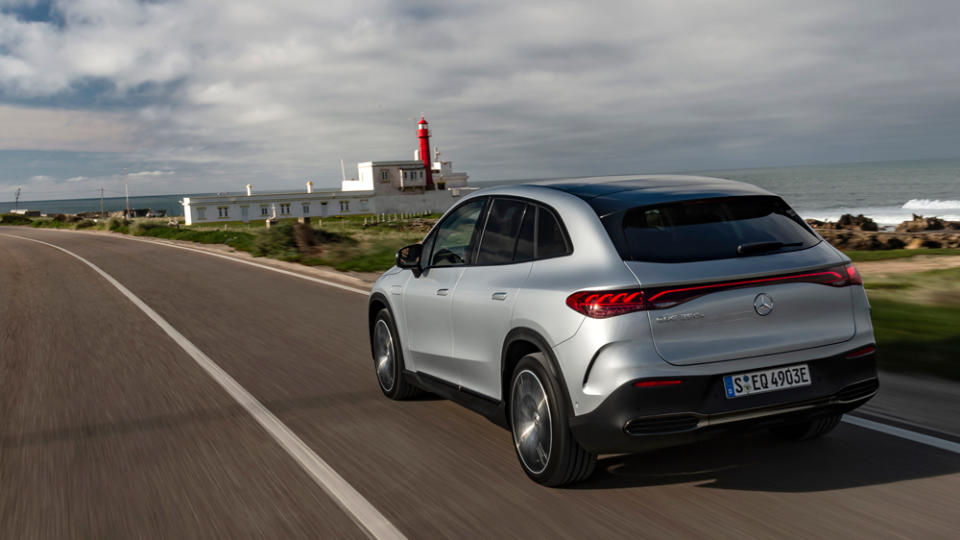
(409, 257)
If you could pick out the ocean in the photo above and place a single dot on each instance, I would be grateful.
(888, 192)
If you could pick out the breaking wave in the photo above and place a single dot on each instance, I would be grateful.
(930, 204)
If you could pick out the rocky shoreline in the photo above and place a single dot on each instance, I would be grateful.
(862, 233)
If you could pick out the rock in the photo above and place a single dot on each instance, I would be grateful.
(858, 221)
(920, 223)
(893, 242)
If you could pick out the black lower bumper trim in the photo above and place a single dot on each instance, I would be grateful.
(634, 419)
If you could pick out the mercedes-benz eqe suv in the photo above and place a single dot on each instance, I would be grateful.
(617, 314)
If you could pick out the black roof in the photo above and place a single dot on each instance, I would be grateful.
(617, 193)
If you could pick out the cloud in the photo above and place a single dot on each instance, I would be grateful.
(151, 173)
(243, 91)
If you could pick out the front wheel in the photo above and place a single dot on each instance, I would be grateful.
(388, 358)
(547, 451)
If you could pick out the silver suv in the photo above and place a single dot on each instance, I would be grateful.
(613, 315)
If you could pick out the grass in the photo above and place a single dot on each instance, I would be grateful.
(916, 318)
(345, 243)
(887, 254)
(241, 241)
(918, 338)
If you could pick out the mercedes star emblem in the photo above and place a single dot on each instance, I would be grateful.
(763, 304)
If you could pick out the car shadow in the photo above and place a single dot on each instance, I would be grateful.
(848, 457)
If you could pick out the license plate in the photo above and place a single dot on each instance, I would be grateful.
(767, 380)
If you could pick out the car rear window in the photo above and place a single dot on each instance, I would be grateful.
(708, 229)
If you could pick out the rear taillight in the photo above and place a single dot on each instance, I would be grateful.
(603, 304)
(853, 277)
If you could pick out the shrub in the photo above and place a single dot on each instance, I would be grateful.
(142, 228)
(85, 224)
(117, 224)
(14, 219)
(278, 242)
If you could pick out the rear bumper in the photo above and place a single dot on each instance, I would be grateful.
(634, 419)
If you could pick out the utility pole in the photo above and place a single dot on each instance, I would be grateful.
(101, 201)
(126, 191)
(16, 203)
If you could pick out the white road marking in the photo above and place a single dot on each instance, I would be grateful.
(370, 520)
(921, 438)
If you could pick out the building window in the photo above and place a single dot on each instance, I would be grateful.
(421, 174)
(201, 213)
(383, 175)
(306, 209)
(364, 205)
(404, 175)
(284, 209)
(344, 206)
(223, 211)
(264, 210)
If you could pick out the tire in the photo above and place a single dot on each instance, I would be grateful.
(810, 429)
(388, 358)
(537, 423)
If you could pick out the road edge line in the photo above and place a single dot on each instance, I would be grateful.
(921, 438)
(360, 510)
(160, 242)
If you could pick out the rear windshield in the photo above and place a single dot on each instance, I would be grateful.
(708, 229)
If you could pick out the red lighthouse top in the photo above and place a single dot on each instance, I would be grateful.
(422, 121)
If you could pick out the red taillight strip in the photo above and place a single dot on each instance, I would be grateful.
(837, 277)
(861, 352)
(603, 304)
(653, 384)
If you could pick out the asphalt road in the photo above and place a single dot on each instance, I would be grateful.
(108, 428)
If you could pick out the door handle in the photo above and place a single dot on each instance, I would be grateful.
(499, 296)
(443, 292)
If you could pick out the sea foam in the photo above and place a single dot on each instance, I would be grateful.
(931, 204)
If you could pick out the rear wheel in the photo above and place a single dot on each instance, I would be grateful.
(388, 358)
(810, 429)
(547, 451)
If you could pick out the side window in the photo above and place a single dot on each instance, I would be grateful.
(524, 251)
(452, 244)
(550, 241)
(500, 233)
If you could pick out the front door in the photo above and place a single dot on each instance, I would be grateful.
(428, 298)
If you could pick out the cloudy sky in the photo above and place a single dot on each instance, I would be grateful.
(187, 96)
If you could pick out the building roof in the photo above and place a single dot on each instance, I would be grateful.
(270, 197)
(398, 163)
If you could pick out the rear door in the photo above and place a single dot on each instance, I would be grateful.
(487, 292)
(734, 278)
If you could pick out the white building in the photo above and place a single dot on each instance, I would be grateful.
(382, 187)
